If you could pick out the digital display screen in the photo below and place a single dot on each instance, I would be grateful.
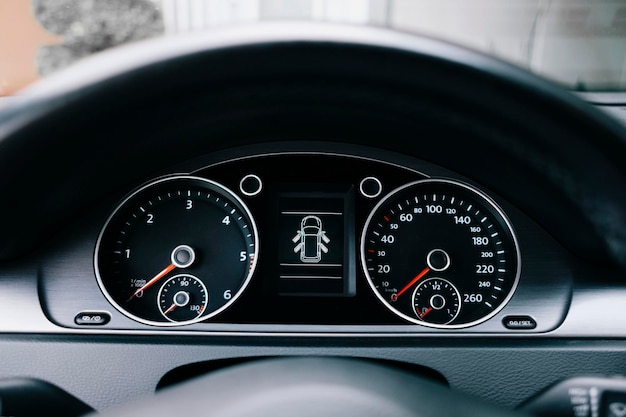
(316, 243)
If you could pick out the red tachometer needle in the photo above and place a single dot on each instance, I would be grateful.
(419, 276)
(157, 277)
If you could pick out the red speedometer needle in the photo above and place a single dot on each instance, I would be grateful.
(419, 276)
(157, 277)
(169, 310)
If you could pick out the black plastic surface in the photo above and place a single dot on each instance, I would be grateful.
(33, 398)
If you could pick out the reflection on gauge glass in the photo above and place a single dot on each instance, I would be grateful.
(440, 253)
(177, 251)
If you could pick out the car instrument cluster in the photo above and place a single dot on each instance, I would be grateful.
(323, 237)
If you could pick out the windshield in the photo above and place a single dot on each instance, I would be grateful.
(579, 44)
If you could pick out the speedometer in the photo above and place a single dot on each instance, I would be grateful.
(440, 253)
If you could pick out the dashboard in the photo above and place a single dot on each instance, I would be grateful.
(309, 191)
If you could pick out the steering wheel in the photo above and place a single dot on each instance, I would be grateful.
(308, 387)
(138, 109)
(134, 111)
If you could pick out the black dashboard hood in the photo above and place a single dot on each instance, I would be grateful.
(113, 120)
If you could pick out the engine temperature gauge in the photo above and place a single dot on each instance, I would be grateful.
(183, 298)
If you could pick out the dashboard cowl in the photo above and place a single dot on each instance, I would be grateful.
(115, 119)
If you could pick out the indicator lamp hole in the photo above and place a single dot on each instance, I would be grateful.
(438, 260)
(250, 185)
(371, 187)
(183, 256)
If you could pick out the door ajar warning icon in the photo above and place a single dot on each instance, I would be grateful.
(311, 240)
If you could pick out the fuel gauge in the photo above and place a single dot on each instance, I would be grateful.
(436, 301)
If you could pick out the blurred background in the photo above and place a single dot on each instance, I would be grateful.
(579, 44)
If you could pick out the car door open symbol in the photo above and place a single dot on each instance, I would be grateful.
(311, 240)
(618, 409)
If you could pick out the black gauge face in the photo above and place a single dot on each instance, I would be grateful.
(440, 253)
(178, 251)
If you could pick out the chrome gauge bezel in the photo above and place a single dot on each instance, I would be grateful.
(235, 296)
(488, 201)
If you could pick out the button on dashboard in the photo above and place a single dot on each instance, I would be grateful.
(90, 318)
(519, 322)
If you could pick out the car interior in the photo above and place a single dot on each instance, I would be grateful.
(310, 219)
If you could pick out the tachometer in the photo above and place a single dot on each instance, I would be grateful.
(440, 253)
(177, 251)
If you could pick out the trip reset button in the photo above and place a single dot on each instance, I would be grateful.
(519, 322)
(88, 318)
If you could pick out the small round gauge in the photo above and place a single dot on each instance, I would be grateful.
(183, 298)
(436, 301)
(446, 243)
(175, 232)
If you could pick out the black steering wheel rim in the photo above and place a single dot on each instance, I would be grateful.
(117, 118)
(308, 387)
